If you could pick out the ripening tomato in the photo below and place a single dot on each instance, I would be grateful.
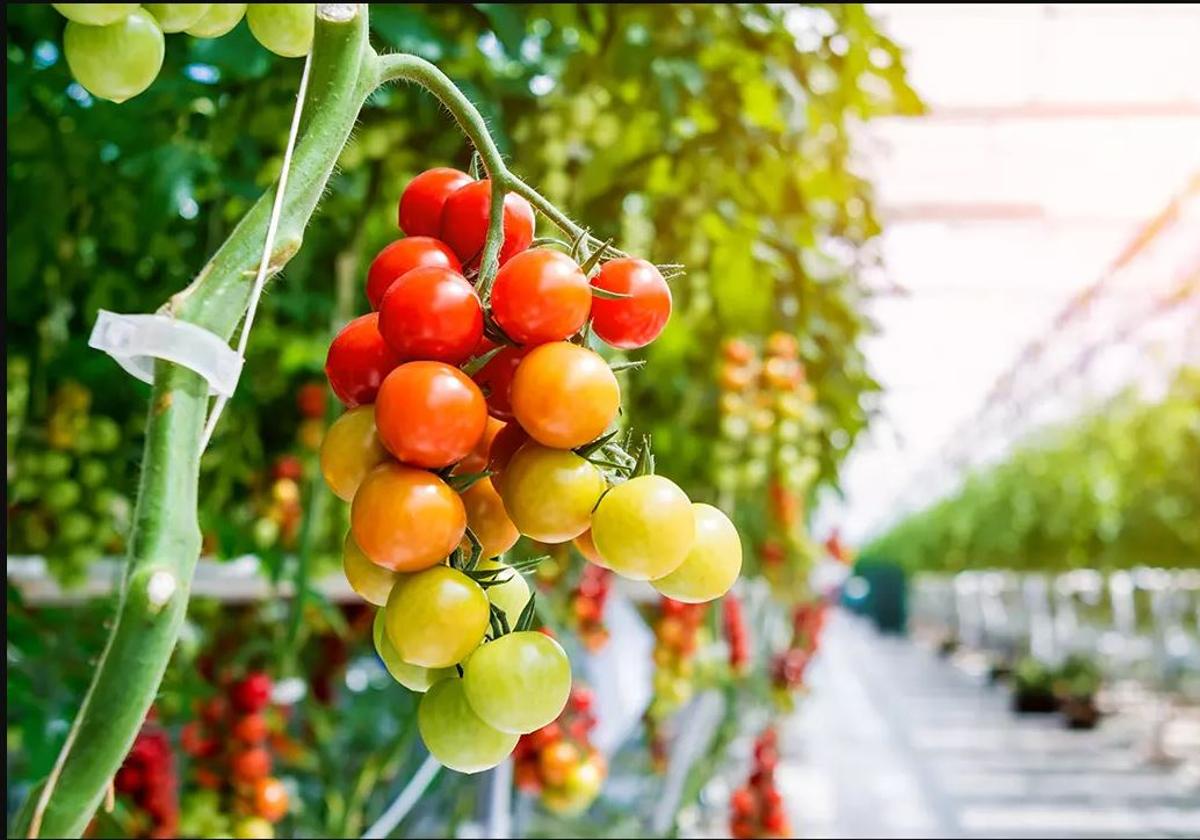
(253, 828)
(487, 518)
(512, 595)
(373, 583)
(413, 677)
(250, 764)
(401, 257)
(644, 528)
(429, 414)
(564, 395)
(270, 799)
(713, 563)
(541, 295)
(465, 222)
(587, 548)
(420, 211)
(496, 379)
(783, 345)
(436, 617)
(549, 493)
(358, 361)
(431, 313)
(636, 320)
(406, 519)
(557, 760)
(350, 450)
(455, 735)
(506, 443)
(519, 682)
(251, 729)
(477, 460)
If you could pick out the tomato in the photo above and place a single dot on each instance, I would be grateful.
(358, 361)
(401, 257)
(783, 345)
(549, 493)
(556, 762)
(251, 729)
(218, 20)
(477, 460)
(644, 528)
(372, 583)
(176, 17)
(487, 518)
(519, 682)
(431, 313)
(633, 321)
(248, 828)
(541, 295)
(584, 781)
(96, 14)
(586, 547)
(496, 378)
(413, 677)
(455, 735)
(285, 29)
(507, 441)
(510, 596)
(350, 450)
(465, 222)
(117, 61)
(713, 563)
(250, 764)
(310, 400)
(429, 414)
(270, 799)
(564, 395)
(420, 211)
(406, 519)
(252, 693)
(437, 617)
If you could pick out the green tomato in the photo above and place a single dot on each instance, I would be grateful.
(93, 473)
(176, 17)
(413, 677)
(519, 682)
(105, 433)
(436, 617)
(712, 565)
(75, 527)
(372, 583)
(549, 493)
(510, 596)
(285, 29)
(253, 827)
(455, 735)
(219, 19)
(95, 14)
(117, 61)
(62, 495)
(644, 528)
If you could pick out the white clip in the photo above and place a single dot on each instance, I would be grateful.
(135, 341)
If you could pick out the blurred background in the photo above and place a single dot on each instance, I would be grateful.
(971, 593)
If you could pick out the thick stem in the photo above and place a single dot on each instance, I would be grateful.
(165, 541)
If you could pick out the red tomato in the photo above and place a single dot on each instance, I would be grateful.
(252, 693)
(406, 519)
(251, 729)
(431, 313)
(541, 295)
(358, 361)
(310, 399)
(401, 257)
(564, 395)
(429, 414)
(496, 378)
(425, 196)
(251, 764)
(465, 222)
(633, 321)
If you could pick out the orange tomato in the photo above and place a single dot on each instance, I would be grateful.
(564, 395)
(406, 519)
(270, 799)
(350, 450)
(556, 762)
(477, 460)
(488, 520)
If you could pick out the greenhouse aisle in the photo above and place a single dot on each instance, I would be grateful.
(896, 742)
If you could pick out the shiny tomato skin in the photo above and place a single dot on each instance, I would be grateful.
(270, 799)
(423, 200)
(713, 563)
(406, 519)
(429, 414)
(550, 493)
(541, 295)
(413, 677)
(358, 361)
(519, 682)
(644, 527)
(564, 395)
(585, 546)
(350, 450)
(634, 321)
(465, 223)
(371, 582)
(436, 617)
(401, 257)
(488, 520)
(496, 378)
(455, 735)
(431, 313)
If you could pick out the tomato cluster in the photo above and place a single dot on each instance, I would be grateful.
(757, 808)
(676, 640)
(587, 605)
(736, 633)
(558, 761)
(789, 666)
(148, 778)
(230, 744)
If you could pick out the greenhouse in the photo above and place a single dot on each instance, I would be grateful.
(603, 420)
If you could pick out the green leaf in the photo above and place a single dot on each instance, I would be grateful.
(525, 621)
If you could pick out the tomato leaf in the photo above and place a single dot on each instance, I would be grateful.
(594, 259)
(472, 366)
(462, 482)
(525, 622)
